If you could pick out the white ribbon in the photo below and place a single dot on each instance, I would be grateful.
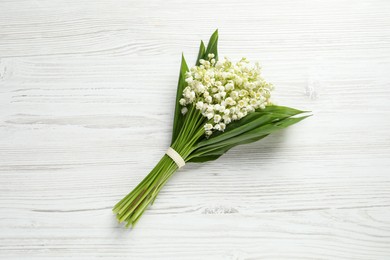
(176, 157)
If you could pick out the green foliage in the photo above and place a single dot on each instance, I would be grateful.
(212, 46)
(251, 128)
(178, 118)
(202, 50)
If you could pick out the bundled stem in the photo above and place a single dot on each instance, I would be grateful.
(132, 206)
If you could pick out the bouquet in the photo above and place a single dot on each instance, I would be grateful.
(219, 105)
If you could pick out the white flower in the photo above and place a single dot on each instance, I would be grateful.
(229, 86)
(238, 80)
(210, 115)
(241, 103)
(189, 94)
(219, 64)
(208, 127)
(189, 80)
(199, 105)
(230, 101)
(184, 110)
(243, 93)
(224, 91)
(226, 119)
(254, 102)
(210, 108)
(234, 94)
(217, 118)
(200, 88)
(182, 102)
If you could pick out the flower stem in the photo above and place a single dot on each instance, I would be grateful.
(132, 206)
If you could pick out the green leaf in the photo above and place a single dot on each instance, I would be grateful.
(212, 46)
(259, 131)
(215, 153)
(282, 110)
(214, 150)
(207, 158)
(251, 121)
(178, 119)
(232, 132)
(202, 50)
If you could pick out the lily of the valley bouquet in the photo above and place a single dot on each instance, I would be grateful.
(219, 104)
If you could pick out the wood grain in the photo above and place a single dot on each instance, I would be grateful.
(86, 102)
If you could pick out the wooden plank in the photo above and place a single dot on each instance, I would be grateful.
(86, 103)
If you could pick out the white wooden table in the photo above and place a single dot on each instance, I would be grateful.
(86, 103)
